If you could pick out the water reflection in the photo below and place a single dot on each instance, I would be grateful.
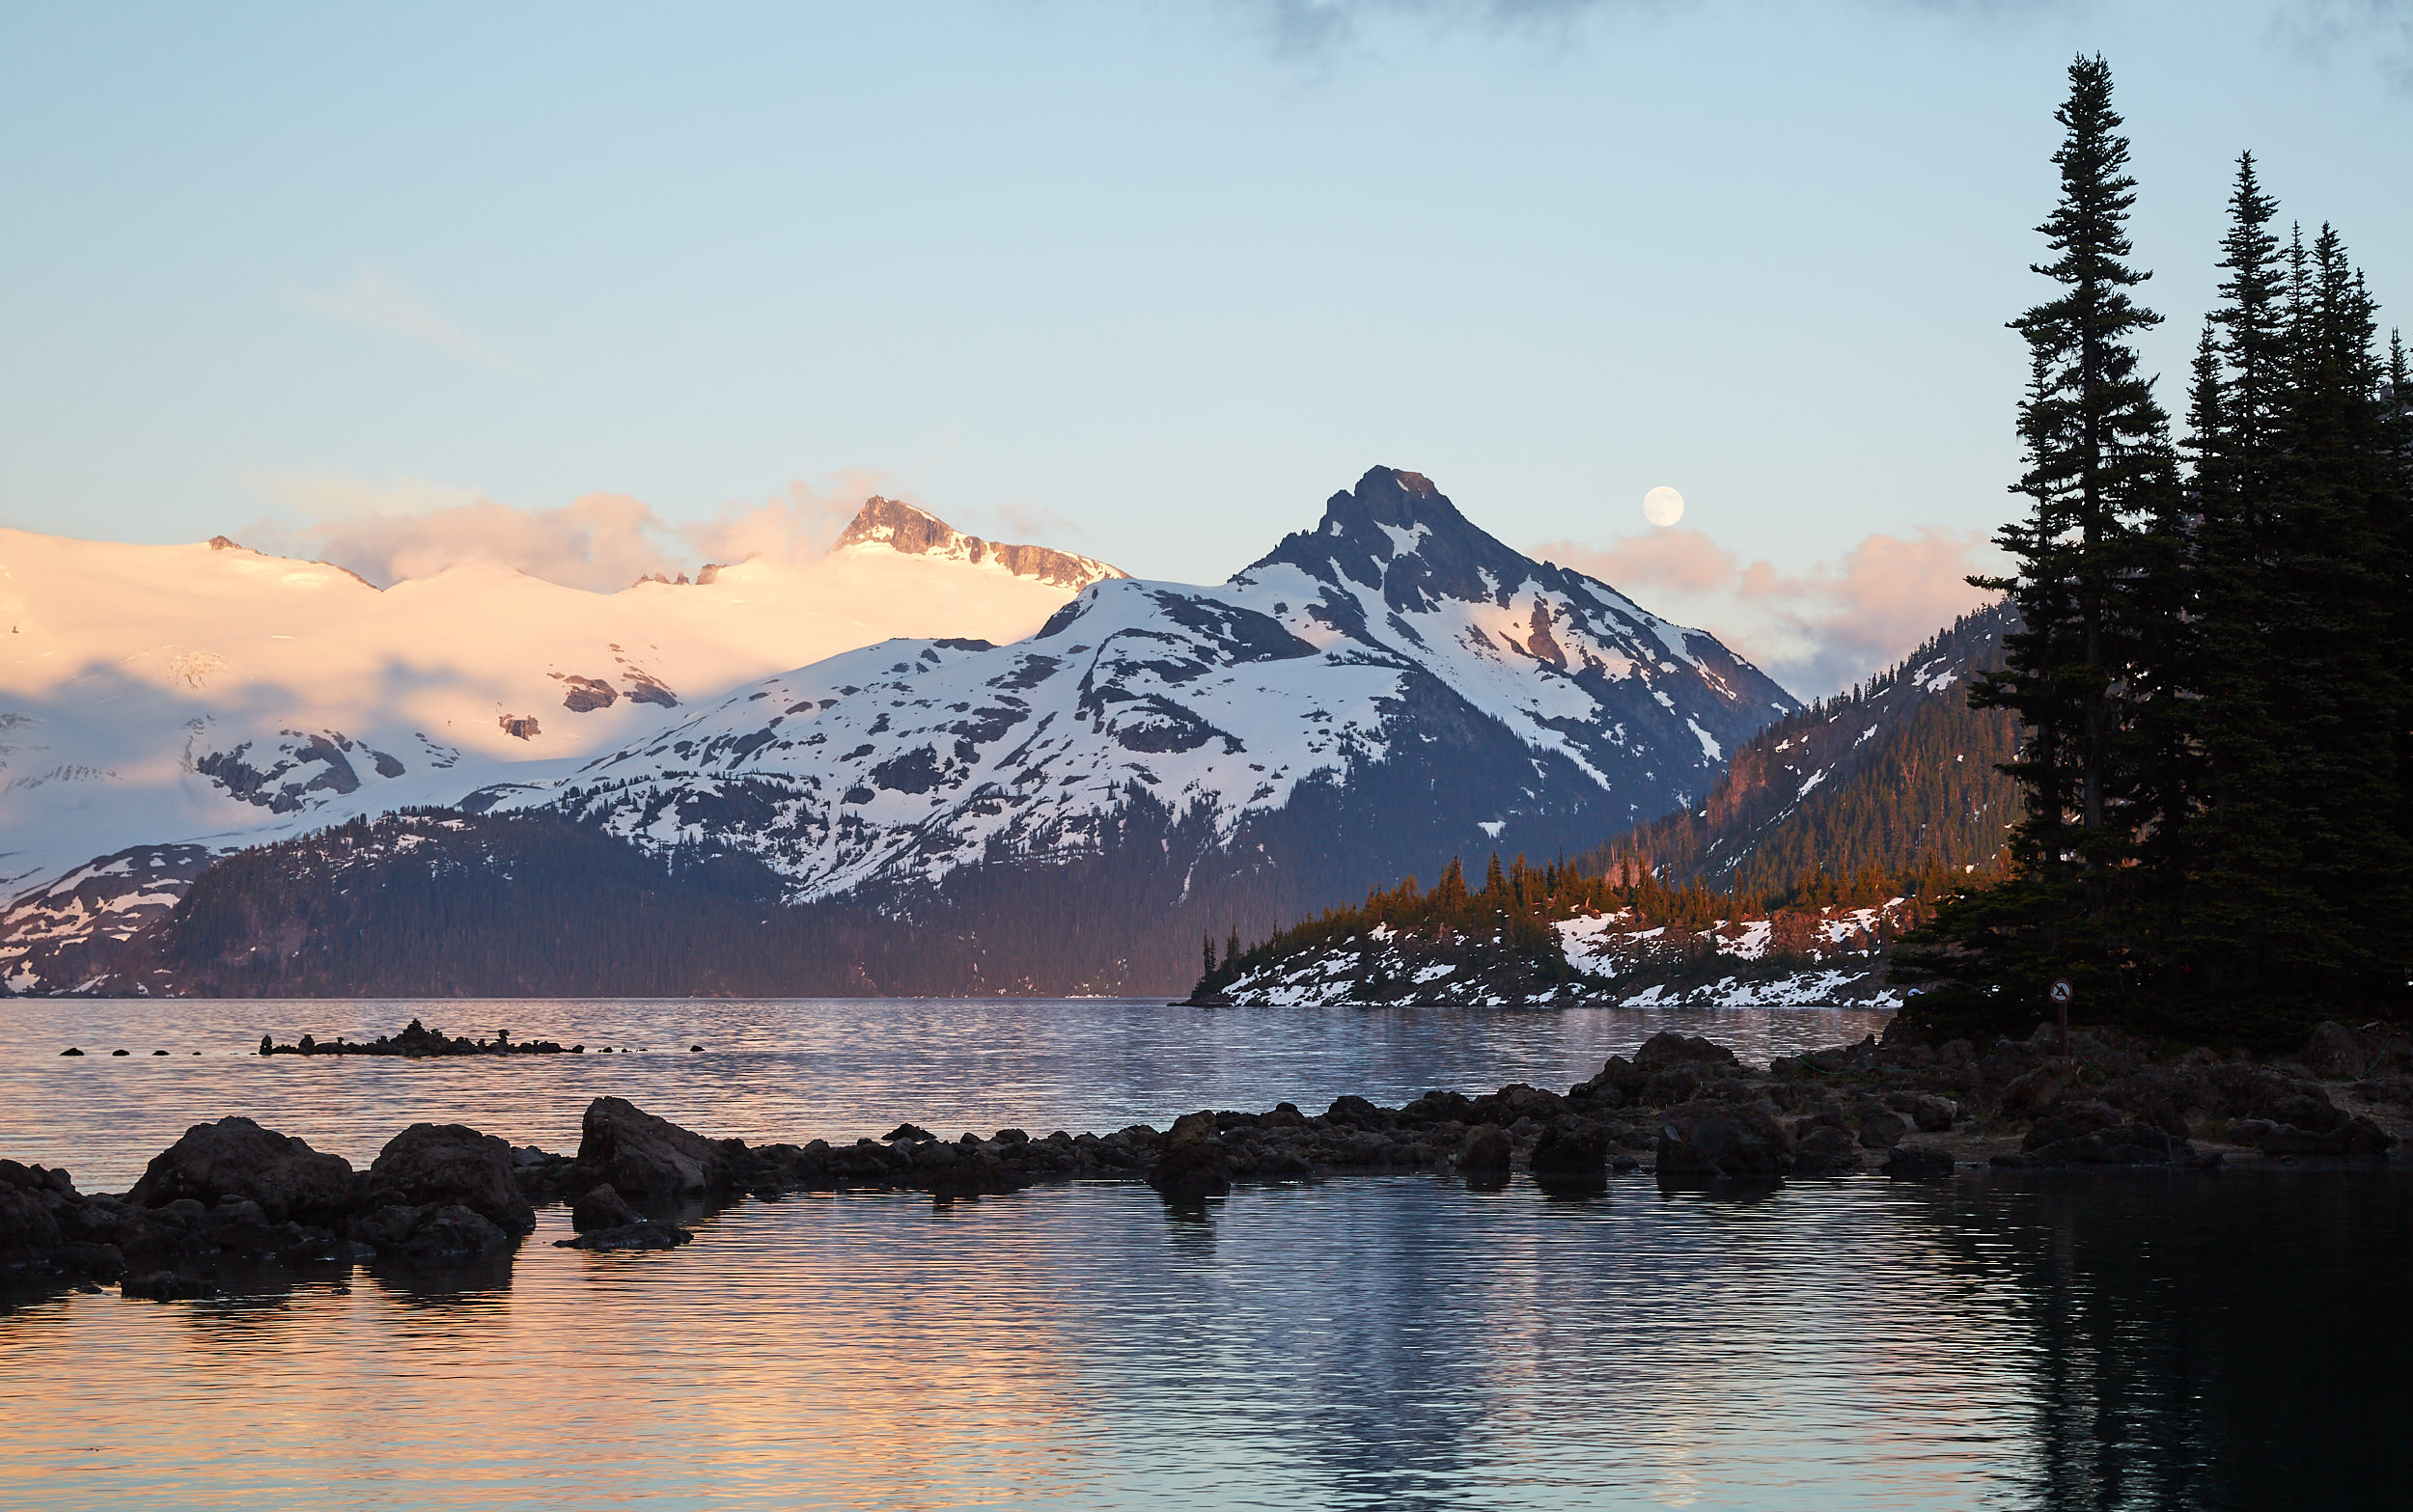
(832, 1068)
(2138, 1342)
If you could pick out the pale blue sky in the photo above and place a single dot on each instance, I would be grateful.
(1144, 280)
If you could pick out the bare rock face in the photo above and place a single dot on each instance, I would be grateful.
(238, 1158)
(643, 1156)
(449, 1164)
(1722, 1141)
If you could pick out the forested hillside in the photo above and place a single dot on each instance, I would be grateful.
(1898, 779)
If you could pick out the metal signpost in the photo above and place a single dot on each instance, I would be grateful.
(2061, 993)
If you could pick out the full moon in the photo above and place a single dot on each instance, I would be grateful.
(1663, 506)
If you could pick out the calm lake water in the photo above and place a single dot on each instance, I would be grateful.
(2122, 1339)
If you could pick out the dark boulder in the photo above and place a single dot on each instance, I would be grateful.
(451, 1163)
(238, 1158)
(2031, 1091)
(1918, 1162)
(1486, 1149)
(1570, 1158)
(2077, 1131)
(1194, 1164)
(1722, 1142)
(603, 1207)
(647, 1157)
(2338, 1052)
(1668, 1049)
(1882, 1128)
(1824, 1149)
(2348, 1136)
(431, 1232)
(1927, 1112)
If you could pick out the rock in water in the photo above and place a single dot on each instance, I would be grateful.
(645, 1156)
(1722, 1142)
(602, 1208)
(1486, 1151)
(238, 1158)
(639, 1235)
(166, 1287)
(1571, 1153)
(1918, 1162)
(451, 1163)
(431, 1232)
(1667, 1048)
(1195, 1163)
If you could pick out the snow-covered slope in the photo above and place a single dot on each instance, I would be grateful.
(208, 693)
(1395, 673)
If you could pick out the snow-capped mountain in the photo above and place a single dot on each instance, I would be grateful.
(1375, 695)
(180, 701)
(1386, 689)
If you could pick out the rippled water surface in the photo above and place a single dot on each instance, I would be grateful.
(2123, 1340)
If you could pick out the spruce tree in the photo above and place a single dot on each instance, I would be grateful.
(2098, 479)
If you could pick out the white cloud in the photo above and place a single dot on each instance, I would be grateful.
(376, 303)
(415, 528)
(1816, 632)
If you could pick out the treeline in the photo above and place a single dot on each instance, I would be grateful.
(2211, 675)
(1517, 905)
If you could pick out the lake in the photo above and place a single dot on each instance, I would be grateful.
(2107, 1339)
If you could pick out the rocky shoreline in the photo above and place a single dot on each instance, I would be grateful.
(231, 1195)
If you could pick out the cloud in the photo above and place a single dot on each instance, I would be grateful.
(412, 528)
(2377, 31)
(376, 303)
(1031, 522)
(1321, 29)
(1816, 632)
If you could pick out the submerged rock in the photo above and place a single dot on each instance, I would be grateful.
(639, 1235)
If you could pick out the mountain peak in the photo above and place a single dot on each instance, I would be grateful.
(914, 531)
(1399, 533)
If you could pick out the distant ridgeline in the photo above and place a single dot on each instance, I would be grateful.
(1834, 829)
(1828, 833)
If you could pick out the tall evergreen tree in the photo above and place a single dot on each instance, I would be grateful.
(2099, 477)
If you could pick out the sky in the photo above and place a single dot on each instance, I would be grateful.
(596, 288)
